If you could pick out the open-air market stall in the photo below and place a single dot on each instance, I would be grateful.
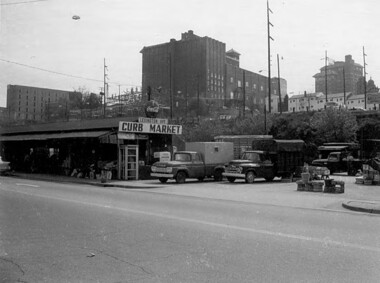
(88, 147)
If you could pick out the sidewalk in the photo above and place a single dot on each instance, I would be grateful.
(360, 198)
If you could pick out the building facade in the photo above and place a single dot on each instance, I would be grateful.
(340, 76)
(26, 103)
(317, 101)
(181, 73)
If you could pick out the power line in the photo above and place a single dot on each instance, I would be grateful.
(24, 2)
(62, 74)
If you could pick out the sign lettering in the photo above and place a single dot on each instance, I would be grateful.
(136, 127)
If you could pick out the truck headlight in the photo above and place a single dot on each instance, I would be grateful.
(169, 169)
(153, 168)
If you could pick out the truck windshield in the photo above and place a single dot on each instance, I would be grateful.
(182, 157)
(253, 156)
(333, 157)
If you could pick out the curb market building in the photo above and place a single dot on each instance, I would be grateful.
(124, 146)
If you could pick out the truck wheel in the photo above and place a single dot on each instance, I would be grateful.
(163, 180)
(181, 177)
(218, 176)
(352, 171)
(250, 177)
(231, 179)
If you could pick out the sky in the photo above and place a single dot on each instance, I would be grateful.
(42, 46)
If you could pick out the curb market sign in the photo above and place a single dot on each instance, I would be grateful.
(149, 128)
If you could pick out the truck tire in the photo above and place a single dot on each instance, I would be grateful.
(269, 179)
(250, 177)
(218, 176)
(181, 177)
(351, 172)
(231, 179)
(163, 180)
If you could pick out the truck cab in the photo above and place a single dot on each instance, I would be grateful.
(185, 164)
(252, 165)
(340, 161)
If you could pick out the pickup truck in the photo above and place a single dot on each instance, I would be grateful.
(280, 158)
(4, 167)
(200, 160)
(185, 164)
(340, 162)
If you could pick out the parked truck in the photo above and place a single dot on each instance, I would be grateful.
(199, 160)
(339, 157)
(269, 158)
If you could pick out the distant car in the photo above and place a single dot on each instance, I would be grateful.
(4, 167)
(333, 105)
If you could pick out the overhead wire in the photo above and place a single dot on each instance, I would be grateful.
(63, 74)
(23, 2)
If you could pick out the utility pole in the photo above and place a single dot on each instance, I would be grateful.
(105, 89)
(344, 87)
(365, 81)
(279, 84)
(326, 75)
(198, 96)
(243, 93)
(120, 110)
(171, 86)
(269, 24)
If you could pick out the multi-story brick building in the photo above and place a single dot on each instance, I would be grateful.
(199, 68)
(26, 103)
(341, 76)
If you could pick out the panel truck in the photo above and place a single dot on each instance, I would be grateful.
(269, 158)
(199, 160)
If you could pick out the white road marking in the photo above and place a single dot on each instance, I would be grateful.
(27, 185)
(325, 241)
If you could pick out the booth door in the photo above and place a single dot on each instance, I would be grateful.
(131, 162)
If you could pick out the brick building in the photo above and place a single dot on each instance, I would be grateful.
(26, 103)
(183, 72)
(341, 76)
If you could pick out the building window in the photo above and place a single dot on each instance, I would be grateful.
(232, 80)
(239, 83)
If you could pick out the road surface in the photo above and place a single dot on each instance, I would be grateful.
(52, 232)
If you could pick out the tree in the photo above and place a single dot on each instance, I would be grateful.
(334, 125)
(369, 129)
(93, 100)
(252, 125)
(293, 126)
(205, 131)
(197, 107)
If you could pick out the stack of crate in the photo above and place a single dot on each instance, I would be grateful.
(370, 175)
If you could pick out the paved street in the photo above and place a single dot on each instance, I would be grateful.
(195, 232)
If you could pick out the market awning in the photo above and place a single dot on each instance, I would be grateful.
(88, 134)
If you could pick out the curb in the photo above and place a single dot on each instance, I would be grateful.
(79, 182)
(368, 207)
